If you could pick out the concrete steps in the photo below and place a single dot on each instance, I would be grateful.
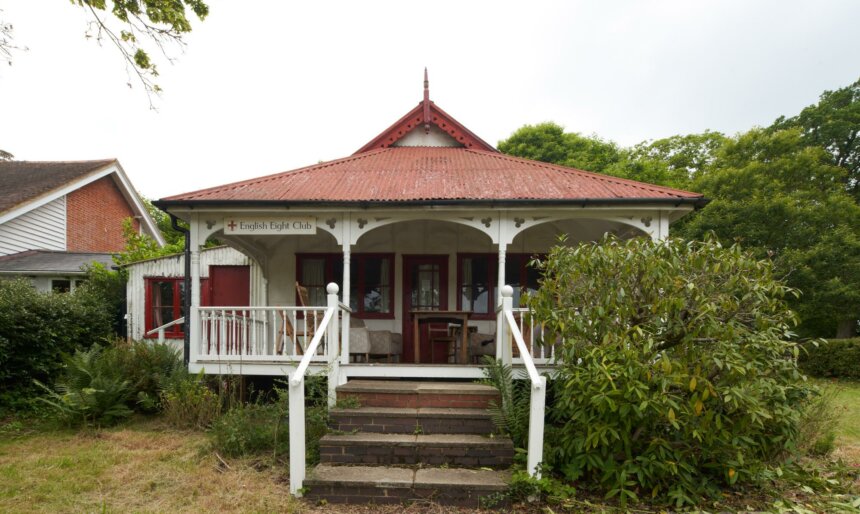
(460, 450)
(408, 420)
(386, 485)
(412, 441)
(413, 394)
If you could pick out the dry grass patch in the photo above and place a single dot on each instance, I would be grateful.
(144, 467)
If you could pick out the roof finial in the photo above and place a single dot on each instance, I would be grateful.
(426, 102)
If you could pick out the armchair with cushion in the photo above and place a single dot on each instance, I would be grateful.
(365, 343)
(480, 345)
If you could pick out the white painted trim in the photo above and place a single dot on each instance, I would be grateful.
(130, 194)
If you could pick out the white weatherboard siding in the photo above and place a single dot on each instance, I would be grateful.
(174, 266)
(43, 228)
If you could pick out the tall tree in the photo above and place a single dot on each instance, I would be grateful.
(548, 142)
(785, 200)
(130, 26)
(834, 124)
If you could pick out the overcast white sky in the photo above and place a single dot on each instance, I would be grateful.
(268, 86)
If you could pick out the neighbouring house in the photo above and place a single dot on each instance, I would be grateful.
(57, 217)
(405, 260)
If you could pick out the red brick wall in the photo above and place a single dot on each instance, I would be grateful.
(94, 215)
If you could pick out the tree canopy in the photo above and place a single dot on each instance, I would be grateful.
(789, 192)
(134, 27)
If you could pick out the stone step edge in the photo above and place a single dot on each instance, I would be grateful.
(455, 388)
(423, 440)
(421, 477)
(417, 412)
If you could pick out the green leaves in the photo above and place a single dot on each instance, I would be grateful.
(662, 386)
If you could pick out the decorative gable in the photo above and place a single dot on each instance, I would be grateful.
(427, 125)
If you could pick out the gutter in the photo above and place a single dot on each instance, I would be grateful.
(697, 203)
(186, 344)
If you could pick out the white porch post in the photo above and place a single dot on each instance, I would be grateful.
(332, 333)
(500, 316)
(344, 355)
(194, 315)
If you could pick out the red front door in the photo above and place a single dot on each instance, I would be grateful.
(425, 287)
(229, 286)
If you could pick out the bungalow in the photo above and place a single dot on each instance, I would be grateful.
(404, 260)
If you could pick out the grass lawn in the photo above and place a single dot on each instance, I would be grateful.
(146, 466)
(143, 466)
(847, 400)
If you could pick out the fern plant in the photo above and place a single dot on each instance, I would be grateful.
(89, 391)
(510, 415)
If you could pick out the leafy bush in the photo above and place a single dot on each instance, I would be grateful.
(148, 367)
(263, 426)
(252, 428)
(836, 358)
(188, 402)
(89, 391)
(109, 287)
(676, 374)
(37, 329)
(511, 415)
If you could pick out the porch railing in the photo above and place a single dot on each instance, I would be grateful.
(510, 327)
(327, 330)
(261, 333)
(541, 350)
(163, 328)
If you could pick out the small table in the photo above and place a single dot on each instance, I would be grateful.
(422, 316)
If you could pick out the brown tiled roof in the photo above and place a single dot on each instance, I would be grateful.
(434, 174)
(22, 181)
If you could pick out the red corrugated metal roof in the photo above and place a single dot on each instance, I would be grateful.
(427, 174)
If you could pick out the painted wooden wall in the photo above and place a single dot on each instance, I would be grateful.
(174, 266)
(43, 228)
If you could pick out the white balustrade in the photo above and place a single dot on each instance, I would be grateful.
(512, 330)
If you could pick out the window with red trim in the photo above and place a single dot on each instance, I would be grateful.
(521, 276)
(476, 279)
(164, 303)
(371, 280)
(477, 274)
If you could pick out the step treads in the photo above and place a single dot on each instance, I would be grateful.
(417, 412)
(461, 450)
(373, 439)
(379, 484)
(411, 420)
(415, 387)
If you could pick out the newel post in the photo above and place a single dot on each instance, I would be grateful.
(297, 434)
(506, 341)
(331, 340)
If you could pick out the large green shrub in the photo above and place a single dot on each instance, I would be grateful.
(836, 358)
(676, 374)
(148, 367)
(188, 402)
(37, 329)
(89, 391)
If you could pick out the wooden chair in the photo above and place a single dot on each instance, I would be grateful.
(438, 333)
(288, 332)
(311, 319)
